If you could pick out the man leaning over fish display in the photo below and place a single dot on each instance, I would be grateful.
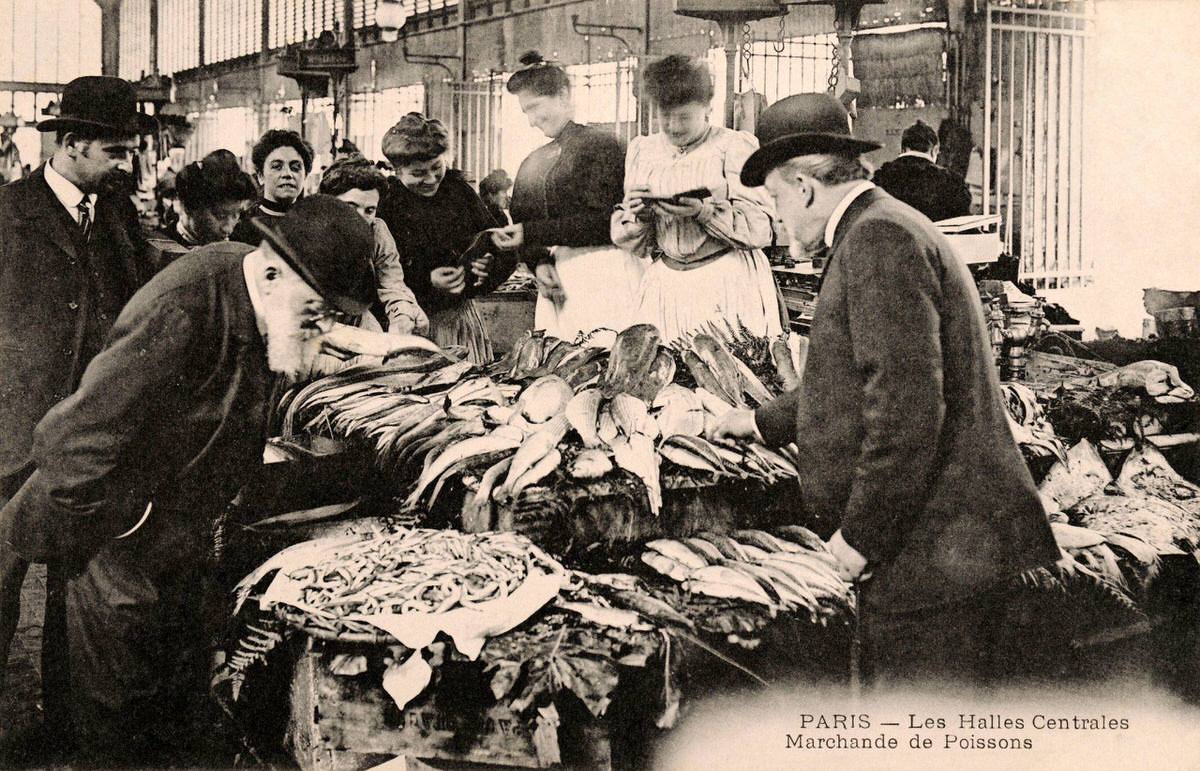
(902, 434)
(169, 421)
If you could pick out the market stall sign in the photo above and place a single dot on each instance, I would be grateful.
(318, 62)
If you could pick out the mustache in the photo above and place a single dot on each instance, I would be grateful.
(118, 182)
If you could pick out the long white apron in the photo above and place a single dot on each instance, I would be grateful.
(602, 286)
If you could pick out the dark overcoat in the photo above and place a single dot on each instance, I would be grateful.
(173, 411)
(902, 433)
(936, 192)
(58, 297)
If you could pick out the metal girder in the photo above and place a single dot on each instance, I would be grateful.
(37, 88)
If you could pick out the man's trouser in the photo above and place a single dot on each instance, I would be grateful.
(138, 649)
(12, 576)
(13, 569)
(1001, 636)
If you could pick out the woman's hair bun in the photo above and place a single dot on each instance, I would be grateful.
(538, 75)
(530, 58)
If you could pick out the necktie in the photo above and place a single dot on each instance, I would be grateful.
(85, 220)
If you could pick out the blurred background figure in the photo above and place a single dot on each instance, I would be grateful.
(10, 156)
(494, 190)
(211, 195)
(171, 165)
(915, 178)
(282, 161)
(955, 143)
(165, 195)
(353, 179)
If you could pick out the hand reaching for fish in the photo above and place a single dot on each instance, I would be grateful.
(850, 562)
(735, 424)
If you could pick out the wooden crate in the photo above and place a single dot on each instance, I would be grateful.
(340, 723)
(506, 316)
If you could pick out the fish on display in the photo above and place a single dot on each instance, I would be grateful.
(544, 398)
(678, 552)
(721, 581)
(633, 355)
(590, 464)
(532, 450)
(583, 412)
(503, 438)
(638, 456)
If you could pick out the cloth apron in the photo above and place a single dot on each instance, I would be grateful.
(601, 285)
(737, 288)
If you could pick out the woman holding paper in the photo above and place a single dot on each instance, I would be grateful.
(706, 246)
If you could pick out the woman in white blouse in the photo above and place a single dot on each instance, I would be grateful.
(708, 263)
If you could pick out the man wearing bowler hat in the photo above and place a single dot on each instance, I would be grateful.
(902, 434)
(169, 421)
(67, 266)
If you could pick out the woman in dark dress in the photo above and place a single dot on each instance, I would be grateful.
(282, 161)
(562, 201)
(210, 196)
(434, 215)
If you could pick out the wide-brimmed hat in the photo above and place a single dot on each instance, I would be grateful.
(330, 246)
(803, 124)
(99, 102)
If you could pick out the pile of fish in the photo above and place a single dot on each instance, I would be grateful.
(1148, 500)
(790, 570)
(1028, 424)
(582, 410)
(1124, 560)
(413, 571)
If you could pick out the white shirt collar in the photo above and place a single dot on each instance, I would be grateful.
(836, 217)
(917, 154)
(256, 300)
(66, 192)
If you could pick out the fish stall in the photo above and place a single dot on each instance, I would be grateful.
(545, 562)
(566, 499)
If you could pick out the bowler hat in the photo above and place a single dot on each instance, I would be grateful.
(103, 103)
(330, 246)
(802, 124)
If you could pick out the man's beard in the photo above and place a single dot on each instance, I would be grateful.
(290, 352)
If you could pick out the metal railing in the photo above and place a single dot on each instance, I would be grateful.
(1033, 136)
